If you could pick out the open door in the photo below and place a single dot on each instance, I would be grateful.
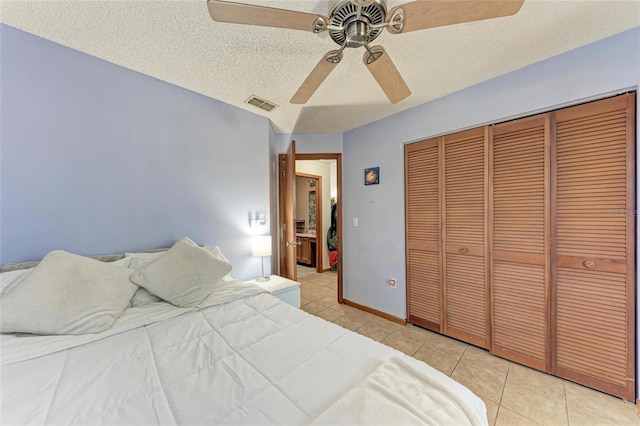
(288, 244)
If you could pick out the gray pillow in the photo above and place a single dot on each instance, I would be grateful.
(184, 275)
(67, 294)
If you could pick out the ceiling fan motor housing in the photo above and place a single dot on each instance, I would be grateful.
(356, 31)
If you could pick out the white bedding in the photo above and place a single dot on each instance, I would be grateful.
(241, 357)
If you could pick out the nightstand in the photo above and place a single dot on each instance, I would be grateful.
(284, 289)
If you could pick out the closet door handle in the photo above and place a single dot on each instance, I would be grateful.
(463, 250)
(589, 264)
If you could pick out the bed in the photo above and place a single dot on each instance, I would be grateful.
(237, 356)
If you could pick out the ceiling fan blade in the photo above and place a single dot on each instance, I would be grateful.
(317, 76)
(240, 13)
(423, 14)
(386, 74)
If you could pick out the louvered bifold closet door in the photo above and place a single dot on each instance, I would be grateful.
(463, 210)
(594, 309)
(424, 299)
(519, 158)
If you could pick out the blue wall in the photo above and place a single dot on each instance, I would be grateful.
(95, 158)
(311, 143)
(375, 250)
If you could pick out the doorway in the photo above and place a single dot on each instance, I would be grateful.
(309, 220)
(328, 257)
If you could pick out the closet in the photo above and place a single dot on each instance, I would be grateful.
(520, 239)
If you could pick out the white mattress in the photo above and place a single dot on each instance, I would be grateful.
(246, 359)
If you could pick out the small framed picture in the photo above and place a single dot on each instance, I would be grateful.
(372, 176)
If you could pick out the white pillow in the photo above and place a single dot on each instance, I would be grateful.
(67, 294)
(184, 275)
(125, 262)
(215, 250)
(8, 280)
(140, 260)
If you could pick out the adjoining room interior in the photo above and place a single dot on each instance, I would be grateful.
(316, 204)
(466, 204)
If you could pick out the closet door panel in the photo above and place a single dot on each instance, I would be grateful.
(594, 303)
(466, 298)
(424, 299)
(520, 314)
(519, 241)
(465, 284)
(592, 336)
(424, 290)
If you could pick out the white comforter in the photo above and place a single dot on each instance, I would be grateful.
(245, 358)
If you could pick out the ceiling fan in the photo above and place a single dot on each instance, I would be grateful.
(356, 23)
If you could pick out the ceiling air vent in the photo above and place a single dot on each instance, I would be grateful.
(260, 103)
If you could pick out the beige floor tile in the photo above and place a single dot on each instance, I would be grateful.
(327, 293)
(541, 409)
(315, 306)
(481, 358)
(401, 343)
(580, 418)
(442, 362)
(347, 310)
(414, 333)
(304, 301)
(445, 345)
(329, 314)
(479, 381)
(356, 313)
(374, 320)
(536, 381)
(348, 323)
(372, 331)
(390, 326)
(507, 417)
(309, 295)
(492, 410)
(597, 404)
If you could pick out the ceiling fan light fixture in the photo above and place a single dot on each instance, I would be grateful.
(260, 103)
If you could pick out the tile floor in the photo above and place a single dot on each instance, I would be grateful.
(514, 395)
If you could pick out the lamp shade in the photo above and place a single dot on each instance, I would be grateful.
(261, 245)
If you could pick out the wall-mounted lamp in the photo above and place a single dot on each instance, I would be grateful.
(261, 247)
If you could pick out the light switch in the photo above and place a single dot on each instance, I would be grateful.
(355, 222)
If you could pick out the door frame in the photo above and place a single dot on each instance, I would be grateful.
(281, 197)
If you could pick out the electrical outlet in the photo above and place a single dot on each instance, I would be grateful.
(392, 283)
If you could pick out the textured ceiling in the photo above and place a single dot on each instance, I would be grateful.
(176, 41)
